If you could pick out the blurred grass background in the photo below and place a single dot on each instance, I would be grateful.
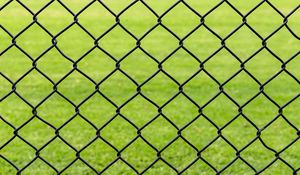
(75, 42)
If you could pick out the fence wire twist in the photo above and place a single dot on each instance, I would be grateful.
(139, 88)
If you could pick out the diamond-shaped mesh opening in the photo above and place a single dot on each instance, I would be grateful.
(243, 43)
(139, 66)
(202, 43)
(165, 132)
(58, 154)
(263, 66)
(246, 132)
(186, 110)
(189, 20)
(283, 44)
(98, 154)
(257, 155)
(265, 25)
(159, 43)
(181, 66)
(33, 131)
(18, 152)
(34, 87)
(143, 111)
(55, 18)
(39, 41)
(96, 19)
(78, 132)
(241, 88)
(282, 88)
(139, 155)
(136, 23)
(118, 87)
(221, 110)
(179, 154)
(260, 117)
(12, 21)
(16, 59)
(281, 127)
(197, 88)
(200, 132)
(97, 65)
(219, 62)
(223, 151)
(53, 57)
(216, 19)
(153, 88)
(56, 110)
(118, 132)
(97, 110)
(15, 114)
(66, 42)
(149, 87)
(72, 85)
(117, 42)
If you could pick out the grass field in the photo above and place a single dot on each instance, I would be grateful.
(75, 42)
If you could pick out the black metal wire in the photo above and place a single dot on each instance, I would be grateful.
(139, 86)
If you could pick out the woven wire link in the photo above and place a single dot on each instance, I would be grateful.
(118, 23)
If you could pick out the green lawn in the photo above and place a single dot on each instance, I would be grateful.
(45, 119)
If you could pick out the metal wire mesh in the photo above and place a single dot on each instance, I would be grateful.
(198, 153)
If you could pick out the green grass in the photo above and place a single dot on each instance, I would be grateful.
(159, 43)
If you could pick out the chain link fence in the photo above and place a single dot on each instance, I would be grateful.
(174, 103)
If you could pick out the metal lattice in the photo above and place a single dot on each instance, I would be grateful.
(160, 160)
